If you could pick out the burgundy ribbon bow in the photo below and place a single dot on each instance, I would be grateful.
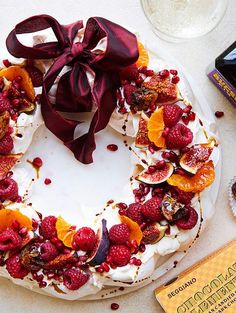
(74, 93)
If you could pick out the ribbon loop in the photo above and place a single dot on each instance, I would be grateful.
(74, 92)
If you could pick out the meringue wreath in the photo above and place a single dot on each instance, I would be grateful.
(171, 147)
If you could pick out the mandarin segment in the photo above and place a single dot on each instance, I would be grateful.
(7, 217)
(64, 232)
(156, 127)
(11, 72)
(143, 59)
(135, 230)
(197, 183)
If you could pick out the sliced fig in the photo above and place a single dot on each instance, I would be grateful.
(142, 140)
(154, 233)
(197, 155)
(158, 177)
(7, 162)
(167, 92)
(28, 238)
(4, 123)
(100, 251)
(170, 207)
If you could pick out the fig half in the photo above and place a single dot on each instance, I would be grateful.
(158, 177)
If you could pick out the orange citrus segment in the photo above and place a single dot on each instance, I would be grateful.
(64, 232)
(26, 84)
(7, 217)
(155, 128)
(135, 230)
(197, 183)
(143, 59)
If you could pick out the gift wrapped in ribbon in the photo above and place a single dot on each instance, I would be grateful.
(74, 92)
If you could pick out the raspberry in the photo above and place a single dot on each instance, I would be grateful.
(9, 240)
(48, 227)
(129, 73)
(179, 137)
(151, 209)
(15, 268)
(128, 93)
(134, 212)
(73, 279)
(119, 255)
(182, 196)
(8, 189)
(119, 233)
(189, 221)
(85, 238)
(172, 114)
(151, 234)
(35, 74)
(48, 251)
(4, 104)
(6, 144)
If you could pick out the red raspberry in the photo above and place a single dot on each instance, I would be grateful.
(4, 104)
(134, 212)
(182, 196)
(73, 279)
(15, 268)
(128, 93)
(119, 233)
(9, 240)
(85, 238)
(151, 209)
(172, 114)
(179, 137)
(119, 255)
(8, 189)
(35, 74)
(48, 227)
(48, 251)
(130, 73)
(6, 144)
(189, 221)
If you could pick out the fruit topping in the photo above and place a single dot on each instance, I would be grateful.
(189, 221)
(112, 147)
(61, 261)
(119, 233)
(37, 162)
(134, 212)
(8, 217)
(30, 257)
(6, 144)
(7, 162)
(73, 279)
(9, 240)
(15, 268)
(48, 227)
(115, 306)
(48, 251)
(47, 181)
(35, 74)
(156, 177)
(100, 251)
(179, 137)
(219, 114)
(172, 114)
(134, 228)
(182, 196)
(197, 183)
(196, 156)
(143, 98)
(119, 255)
(156, 127)
(153, 233)
(128, 93)
(143, 59)
(170, 206)
(4, 103)
(8, 189)
(4, 123)
(64, 232)
(141, 140)
(151, 209)
(85, 238)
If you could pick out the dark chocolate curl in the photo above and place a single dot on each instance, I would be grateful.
(74, 93)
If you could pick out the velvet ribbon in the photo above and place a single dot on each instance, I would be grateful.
(74, 93)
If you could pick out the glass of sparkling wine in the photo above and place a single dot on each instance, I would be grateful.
(178, 20)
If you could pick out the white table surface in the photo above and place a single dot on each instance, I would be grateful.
(195, 55)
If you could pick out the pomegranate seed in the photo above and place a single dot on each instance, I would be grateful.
(15, 102)
(122, 211)
(100, 269)
(174, 72)
(47, 181)
(115, 306)
(43, 284)
(39, 277)
(37, 162)
(165, 155)
(15, 225)
(142, 69)
(187, 109)
(5, 94)
(55, 241)
(50, 275)
(122, 205)
(141, 186)
(137, 192)
(149, 73)
(142, 247)
(151, 169)
(175, 79)
(165, 132)
(173, 157)
(146, 190)
(138, 262)
(143, 225)
(122, 110)
(139, 81)
(160, 165)
(134, 244)
(219, 114)
(6, 62)
(191, 116)
(23, 231)
(83, 258)
(185, 120)
(164, 73)
(105, 267)
(34, 224)
(112, 147)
